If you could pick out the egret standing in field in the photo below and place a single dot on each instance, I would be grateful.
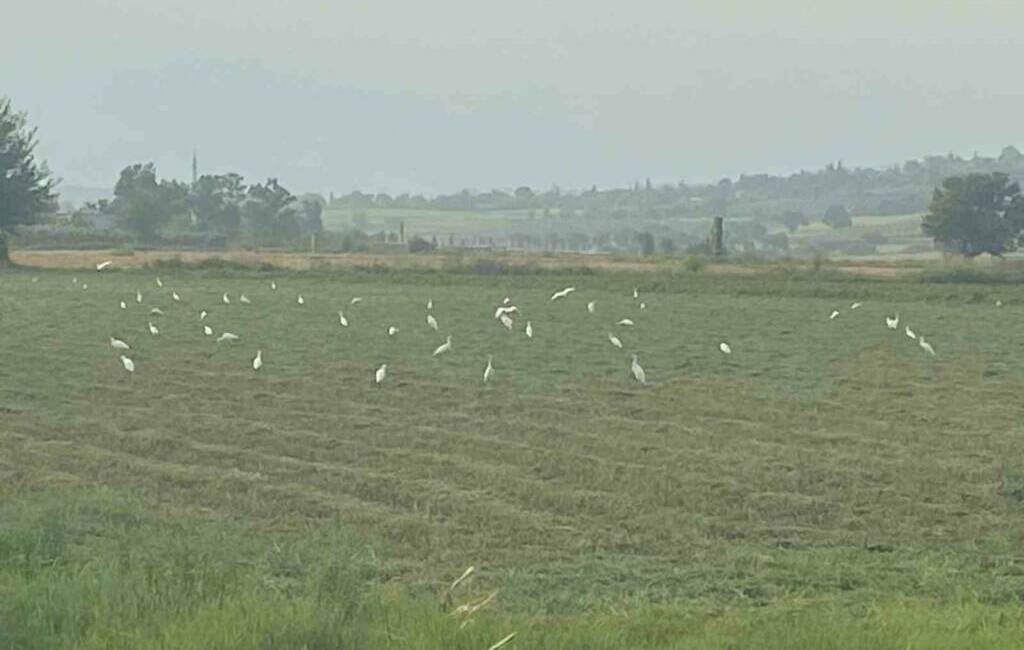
(104, 265)
(909, 332)
(894, 322)
(638, 371)
(118, 344)
(207, 330)
(123, 305)
(225, 299)
(563, 293)
(626, 322)
(356, 301)
(591, 306)
(430, 304)
(175, 297)
(926, 346)
(855, 305)
(273, 285)
(202, 315)
(643, 306)
(529, 330)
(444, 347)
(382, 372)
(392, 330)
(152, 329)
(432, 322)
(244, 299)
(636, 293)
(724, 347)
(506, 321)
(342, 319)
(156, 311)
(138, 296)
(257, 361)
(227, 336)
(511, 309)
(128, 364)
(159, 282)
(301, 300)
(489, 370)
(834, 315)
(614, 340)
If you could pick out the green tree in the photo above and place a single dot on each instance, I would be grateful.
(217, 203)
(26, 187)
(143, 204)
(268, 212)
(792, 220)
(837, 216)
(309, 213)
(977, 213)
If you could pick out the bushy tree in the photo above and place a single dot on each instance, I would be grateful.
(977, 213)
(216, 201)
(792, 220)
(310, 214)
(143, 204)
(26, 187)
(269, 213)
(837, 216)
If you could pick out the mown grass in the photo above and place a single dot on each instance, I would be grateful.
(828, 477)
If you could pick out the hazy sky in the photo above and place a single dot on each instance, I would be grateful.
(435, 96)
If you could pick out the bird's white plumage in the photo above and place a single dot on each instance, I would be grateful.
(202, 315)
(725, 348)
(529, 330)
(638, 371)
(432, 322)
(273, 285)
(128, 364)
(175, 297)
(506, 321)
(834, 315)
(855, 305)
(355, 300)
(138, 296)
(227, 336)
(123, 305)
(225, 299)
(153, 330)
(300, 300)
(926, 346)
(207, 330)
(893, 322)
(382, 372)
(591, 306)
(118, 344)
(563, 293)
(643, 306)
(614, 340)
(392, 330)
(160, 283)
(444, 347)
(156, 311)
(257, 361)
(430, 304)
(636, 293)
(909, 332)
(104, 265)
(625, 321)
(342, 319)
(244, 299)
(489, 369)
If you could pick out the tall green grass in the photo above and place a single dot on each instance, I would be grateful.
(95, 571)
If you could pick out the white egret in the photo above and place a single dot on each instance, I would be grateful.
(244, 299)
(489, 370)
(999, 303)
(84, 286)
(225, 299)
(909, 332)
(724, 347)
(614, 340)
(202, 315)
(128, 364)
(301, 300)
(430, 304)
(392, 330)
(138, 296)
(175, 297)
(892, 323)
(591, 306)
(207, 330)
(926, 346)
(855, 305)
(625, 321)
(123, 305)
(156, 311)
(159, 283)
(227, 336)
(506, 321)
(382, 372)
(432, 322)
(506, 301)
(643, 306)
(342, 319)
(444, 347)
(638, 372)
(104, 265)
(563, 293)
(834, 314)
(354, 301)
(273, 285)
(636, 293)
(118, 344)
(153, 330)
(74, 279)
(529, 330)
(257, 361)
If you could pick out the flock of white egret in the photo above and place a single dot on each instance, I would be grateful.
(503, 314)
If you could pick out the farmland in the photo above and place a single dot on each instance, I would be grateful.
(830, 468)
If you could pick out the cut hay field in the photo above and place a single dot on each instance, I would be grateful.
(830, 469)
